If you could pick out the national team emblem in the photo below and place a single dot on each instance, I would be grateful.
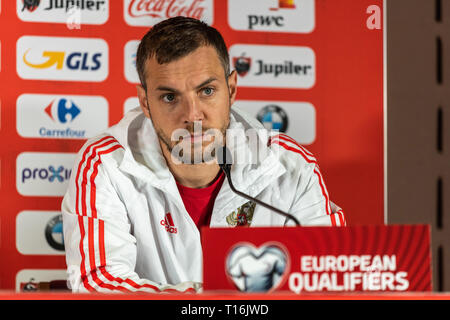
(273, 118)
(242, 216)
(242, 65)
(254, 269)
(30, 5)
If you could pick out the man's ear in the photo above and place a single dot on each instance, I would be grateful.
(143, 102)
(232, 86)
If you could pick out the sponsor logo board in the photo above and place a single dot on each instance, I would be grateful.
(43, 174)
(29, 280)
(64, 59)
(296, 16)
(130, 61)
(274, 66)
(150, 12)
(61, 116)
(71, 12)
(130, 103)
(296, 119)
(39, 233)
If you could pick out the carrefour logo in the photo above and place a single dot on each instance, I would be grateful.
(66, 111)
(43, 174)
(61, 116)
(53, 58)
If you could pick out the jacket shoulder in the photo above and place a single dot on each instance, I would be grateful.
(103, 148)
(291, 153)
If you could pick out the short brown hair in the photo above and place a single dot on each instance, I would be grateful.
(175, 38)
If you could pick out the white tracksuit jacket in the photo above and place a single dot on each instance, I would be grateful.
(114, 211)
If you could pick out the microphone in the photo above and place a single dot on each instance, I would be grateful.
(225, 161)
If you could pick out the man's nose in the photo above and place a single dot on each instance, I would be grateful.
(193, 110)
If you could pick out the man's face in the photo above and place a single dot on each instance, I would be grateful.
(185, 94)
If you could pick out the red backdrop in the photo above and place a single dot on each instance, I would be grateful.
(347, 96)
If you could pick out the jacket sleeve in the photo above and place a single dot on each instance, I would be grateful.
(100, 249)
(312, 205)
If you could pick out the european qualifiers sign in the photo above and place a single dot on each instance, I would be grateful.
(373, 258)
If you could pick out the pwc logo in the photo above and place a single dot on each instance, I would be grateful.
(297, 16)
(54, 58)
(61, 116)
(43, 174)
(150, 12)
(168, 224)
(274, 66)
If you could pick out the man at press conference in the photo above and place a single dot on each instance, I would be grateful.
(140, 193)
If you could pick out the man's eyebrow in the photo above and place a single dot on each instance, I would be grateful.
(162, 88)
(204, 83)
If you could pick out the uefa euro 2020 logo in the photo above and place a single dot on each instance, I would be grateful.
(257, 269)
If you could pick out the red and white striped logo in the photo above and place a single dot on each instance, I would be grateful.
(167, 222)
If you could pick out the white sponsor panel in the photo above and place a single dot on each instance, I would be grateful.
(61, 116)
(296, 16)
(66, 59)
(70, 12)
(274, 66)
(130, 103)
(43, 174)
(295, 119)
(36, 276)
(150, 12)
(130, 61)
(39, 233)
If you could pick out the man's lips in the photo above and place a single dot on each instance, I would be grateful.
(195, 138)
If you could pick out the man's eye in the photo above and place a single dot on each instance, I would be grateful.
(170, 97)
(208, 91)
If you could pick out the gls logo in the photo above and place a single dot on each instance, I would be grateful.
(61, 116)
(43, 174)
(74, 61)
(53, 58)
(272, 15)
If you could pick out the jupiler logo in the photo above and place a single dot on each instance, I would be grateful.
(243, 65)
(30, 5)
(167, 8)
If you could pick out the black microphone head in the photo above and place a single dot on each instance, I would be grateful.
(223, 156)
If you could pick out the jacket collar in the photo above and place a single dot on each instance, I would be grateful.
(143, 158)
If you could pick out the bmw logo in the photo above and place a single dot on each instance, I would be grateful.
(273, 118)
(54, 233)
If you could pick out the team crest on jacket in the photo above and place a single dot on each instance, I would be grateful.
(242, 216)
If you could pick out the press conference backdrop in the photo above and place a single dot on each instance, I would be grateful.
(312, 69)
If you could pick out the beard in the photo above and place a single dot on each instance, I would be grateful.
(185, 151)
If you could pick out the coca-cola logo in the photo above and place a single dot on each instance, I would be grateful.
(167, 8)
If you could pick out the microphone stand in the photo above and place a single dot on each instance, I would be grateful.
(226, 168)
